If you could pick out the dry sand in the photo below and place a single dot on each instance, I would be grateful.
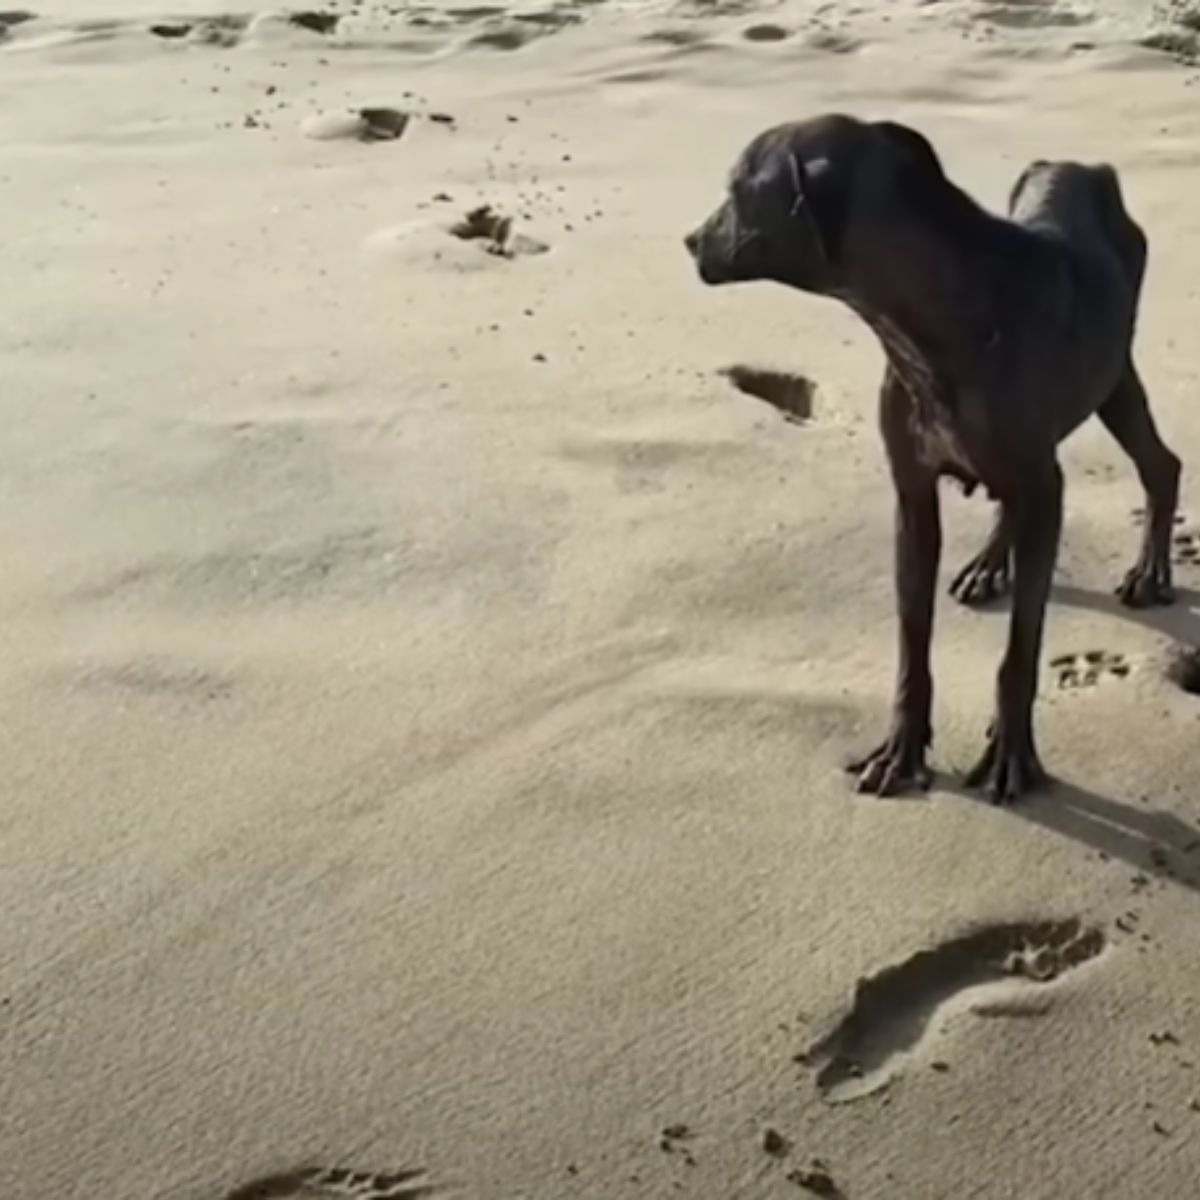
(427, 677)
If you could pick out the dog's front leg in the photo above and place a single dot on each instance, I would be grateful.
(900, 761)
(1010, 765)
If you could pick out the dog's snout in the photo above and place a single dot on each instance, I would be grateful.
(713, 247)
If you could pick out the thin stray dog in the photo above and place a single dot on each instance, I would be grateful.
(1001, 337)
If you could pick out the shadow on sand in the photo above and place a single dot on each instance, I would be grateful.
(1149, 840)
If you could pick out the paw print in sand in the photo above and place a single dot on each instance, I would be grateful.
(1185, 548)
(1086, 670)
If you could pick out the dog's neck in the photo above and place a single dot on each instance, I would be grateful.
(910, 353)
(927, 295)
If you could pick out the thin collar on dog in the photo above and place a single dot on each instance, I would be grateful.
(801, 205)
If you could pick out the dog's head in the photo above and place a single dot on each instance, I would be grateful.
(807, 201)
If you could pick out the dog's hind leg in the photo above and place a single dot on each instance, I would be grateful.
(1009, 765)
(986, 577)
(1126, 415)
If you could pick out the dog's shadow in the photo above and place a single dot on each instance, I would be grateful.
(1179, 621)
(1146, 839)
(1150, 841)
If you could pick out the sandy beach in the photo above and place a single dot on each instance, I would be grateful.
(427, 676)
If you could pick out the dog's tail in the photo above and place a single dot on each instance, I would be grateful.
(1128, 240)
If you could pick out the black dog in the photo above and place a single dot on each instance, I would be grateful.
(1001, 337)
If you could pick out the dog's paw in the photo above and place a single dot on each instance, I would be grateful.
(895, 766)
(1007, 770)
(984, 579)
(1147, 585)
